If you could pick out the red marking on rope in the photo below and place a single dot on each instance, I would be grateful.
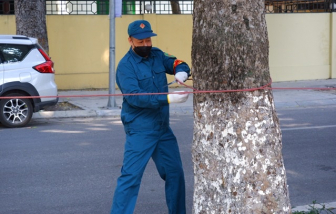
(194, 91)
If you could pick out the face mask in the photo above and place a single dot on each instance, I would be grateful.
(142, 51)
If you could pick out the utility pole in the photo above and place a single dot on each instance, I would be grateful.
(111, 99)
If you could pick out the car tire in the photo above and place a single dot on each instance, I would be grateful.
(15, 112)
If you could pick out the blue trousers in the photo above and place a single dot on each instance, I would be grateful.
(162, 147)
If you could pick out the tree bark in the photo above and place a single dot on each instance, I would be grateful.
(175, 7)
(31, 20)
(237, 145)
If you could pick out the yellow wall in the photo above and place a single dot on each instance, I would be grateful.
(79, 46)
(7, 24)
(299, 46)
(302, 46)
(333, 46)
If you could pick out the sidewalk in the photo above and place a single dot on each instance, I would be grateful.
(97, 106)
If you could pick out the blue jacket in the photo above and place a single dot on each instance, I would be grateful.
(135, 75)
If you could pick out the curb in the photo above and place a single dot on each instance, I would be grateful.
(63, 114)
(76, 114)
(331, 205)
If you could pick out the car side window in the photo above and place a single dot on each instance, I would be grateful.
(11, 53)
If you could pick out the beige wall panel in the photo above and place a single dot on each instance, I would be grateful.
(290, 73)
(82, 81)
(78, 44)
(7, 24)
(299, 43)
(333, 46)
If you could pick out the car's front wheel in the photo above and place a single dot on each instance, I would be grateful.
(15, 112)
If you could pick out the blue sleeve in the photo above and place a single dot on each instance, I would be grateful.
(128, 83)
(169, 60)
(183, 67)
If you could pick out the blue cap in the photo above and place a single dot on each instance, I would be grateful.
(140, 29)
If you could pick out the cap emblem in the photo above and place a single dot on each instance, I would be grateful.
(142, 25)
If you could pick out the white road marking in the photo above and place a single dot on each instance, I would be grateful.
(310, 127)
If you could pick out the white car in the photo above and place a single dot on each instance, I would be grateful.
(26, 71)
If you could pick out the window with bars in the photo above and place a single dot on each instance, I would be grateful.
(300, 6)
(130, 7)
(6, 7)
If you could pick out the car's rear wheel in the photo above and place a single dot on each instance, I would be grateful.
(15, 112)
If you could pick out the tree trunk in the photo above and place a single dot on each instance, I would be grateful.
(175, 7)
(31, 20)
(237, 148)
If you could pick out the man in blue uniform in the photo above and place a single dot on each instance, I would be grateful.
(146, 120)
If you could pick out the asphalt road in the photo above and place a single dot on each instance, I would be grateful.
(309, 152)
(70, 166)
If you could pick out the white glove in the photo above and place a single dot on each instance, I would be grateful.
(181, 76)
(177, 98)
